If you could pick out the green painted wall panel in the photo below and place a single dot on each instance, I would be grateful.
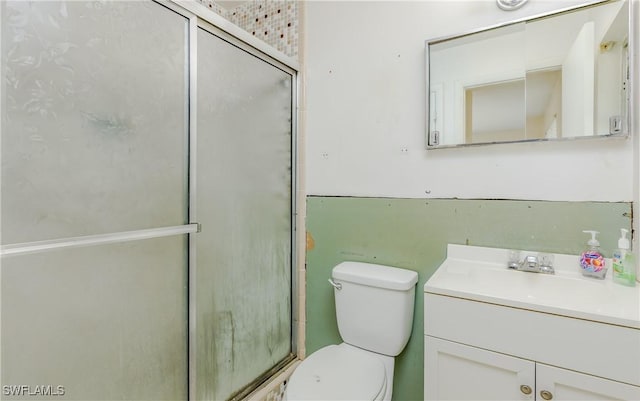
(414, 233)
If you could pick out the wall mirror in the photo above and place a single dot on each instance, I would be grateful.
(553, 77)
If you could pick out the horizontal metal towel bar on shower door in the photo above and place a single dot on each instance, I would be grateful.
(99, 239)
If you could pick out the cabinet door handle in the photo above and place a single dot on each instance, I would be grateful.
(525, 389)
(546, 395)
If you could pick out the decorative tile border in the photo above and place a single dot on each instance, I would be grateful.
(215, 7)
(275, 22)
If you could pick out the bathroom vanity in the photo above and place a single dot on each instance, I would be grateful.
(493, 333)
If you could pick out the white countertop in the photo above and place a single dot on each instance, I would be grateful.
(481, 274)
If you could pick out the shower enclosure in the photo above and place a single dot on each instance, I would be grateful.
(147, 204)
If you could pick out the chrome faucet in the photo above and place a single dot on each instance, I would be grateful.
(533, 264)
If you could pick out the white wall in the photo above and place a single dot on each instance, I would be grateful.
(364, 108)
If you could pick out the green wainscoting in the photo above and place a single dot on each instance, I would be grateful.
(414, 233)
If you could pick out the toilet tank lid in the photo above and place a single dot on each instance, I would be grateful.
(373, 275)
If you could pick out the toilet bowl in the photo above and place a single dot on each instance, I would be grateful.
(374, 309)
(339, 372)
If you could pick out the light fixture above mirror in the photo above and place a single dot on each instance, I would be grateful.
(558, 76)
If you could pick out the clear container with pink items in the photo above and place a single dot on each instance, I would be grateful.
(592, 261)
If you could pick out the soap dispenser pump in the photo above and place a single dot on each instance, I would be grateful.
(592, 260)
(624, 268)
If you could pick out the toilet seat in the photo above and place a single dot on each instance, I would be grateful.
(338, 372)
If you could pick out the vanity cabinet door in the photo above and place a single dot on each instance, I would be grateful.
(458, 372)
(561, 384)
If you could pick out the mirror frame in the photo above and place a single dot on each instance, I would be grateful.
(632, 74)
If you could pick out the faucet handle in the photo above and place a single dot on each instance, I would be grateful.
(546, 263)
(546, 259)
(514, 259)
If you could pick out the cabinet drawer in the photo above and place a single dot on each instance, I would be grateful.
(595, 348)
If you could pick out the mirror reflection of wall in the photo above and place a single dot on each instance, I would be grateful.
(495, 112)
(482, 59)
(556, 77)
(544, 104)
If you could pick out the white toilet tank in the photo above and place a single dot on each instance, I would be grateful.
(374, 306)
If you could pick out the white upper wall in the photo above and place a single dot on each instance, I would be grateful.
(365, 114)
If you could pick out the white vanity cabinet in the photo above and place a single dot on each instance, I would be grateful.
(496, 334)
(459, 372)
(565, 384)
(455, 371)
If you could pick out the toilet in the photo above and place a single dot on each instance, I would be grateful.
(374, 310)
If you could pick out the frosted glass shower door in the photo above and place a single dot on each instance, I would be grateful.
(103, 322)
(243, 272)
(94, 123)
(94, 143)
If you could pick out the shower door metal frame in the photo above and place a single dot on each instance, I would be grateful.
(201, 17)
(114, 237)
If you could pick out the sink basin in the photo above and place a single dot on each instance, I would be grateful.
(480, 274)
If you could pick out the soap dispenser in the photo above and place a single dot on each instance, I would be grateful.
(624, 268)
(592, 261)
